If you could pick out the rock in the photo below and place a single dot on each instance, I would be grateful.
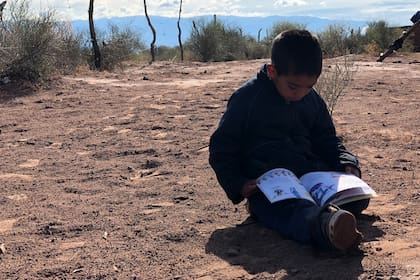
(2, 249)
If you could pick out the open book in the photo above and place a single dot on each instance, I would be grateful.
(319, 187)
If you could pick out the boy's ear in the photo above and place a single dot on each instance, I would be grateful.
(271, 71)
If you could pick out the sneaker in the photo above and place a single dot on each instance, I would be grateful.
(342, 230)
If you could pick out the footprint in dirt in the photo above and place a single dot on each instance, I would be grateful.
(17, 197)
(30, 163)
(16, 176)
(7, 225)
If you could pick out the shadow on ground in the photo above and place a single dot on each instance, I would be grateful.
(258, 249)
(16, 89)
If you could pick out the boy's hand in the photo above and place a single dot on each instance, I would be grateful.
(349, 169)
(249, 188)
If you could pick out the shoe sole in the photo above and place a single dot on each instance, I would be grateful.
(342, 230)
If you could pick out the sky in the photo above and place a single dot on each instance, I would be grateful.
(395, 12)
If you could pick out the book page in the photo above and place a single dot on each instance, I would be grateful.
(323, 185)
(347, 196)
(281, 184)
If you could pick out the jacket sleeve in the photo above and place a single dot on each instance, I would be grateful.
(326, 143)
(225, 148)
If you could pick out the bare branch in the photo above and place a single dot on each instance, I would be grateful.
(179, 32)
(152, 45)
(96, 50)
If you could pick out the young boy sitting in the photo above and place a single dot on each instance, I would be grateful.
(277, 120)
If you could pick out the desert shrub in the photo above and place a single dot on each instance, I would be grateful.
(188, 55)
(34, 47)
(380, 33)
(334, 80)
(118, 46)
(216, 41)
(69, 55)
(355, 41)
(372, 48)
(338, 40)
(164, 53)
(279, 27)
(333, 40)
(263, 48)
(255, 49)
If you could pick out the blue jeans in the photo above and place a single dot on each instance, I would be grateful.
(296, 219)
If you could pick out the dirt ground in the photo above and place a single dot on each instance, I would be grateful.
(106, 176)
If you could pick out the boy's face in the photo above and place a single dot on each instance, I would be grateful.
(291, 87)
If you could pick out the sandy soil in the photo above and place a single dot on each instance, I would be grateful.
(105, 176)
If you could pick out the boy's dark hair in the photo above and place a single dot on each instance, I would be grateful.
(296, 52)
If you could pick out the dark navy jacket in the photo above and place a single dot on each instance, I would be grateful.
(260, 131)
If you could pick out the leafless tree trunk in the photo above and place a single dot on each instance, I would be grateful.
(259, 35)
(180, 32)
(152, 45)
(1, 14)
(397, 44)
(96, 50)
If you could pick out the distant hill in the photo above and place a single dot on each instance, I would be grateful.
(167, 31)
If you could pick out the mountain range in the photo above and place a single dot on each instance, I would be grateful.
(167, 30)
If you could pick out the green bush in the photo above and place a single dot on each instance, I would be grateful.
(255, 49)
(164, 53)
(215, 41)
(35, 47)
(118, 46)
(380, 33)
(69, 55)
(278, 28)
(333, 40)
(355, 42)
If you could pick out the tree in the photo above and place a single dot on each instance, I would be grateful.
(96, 50)
(152, 44)
(179, 32)
(378, 32)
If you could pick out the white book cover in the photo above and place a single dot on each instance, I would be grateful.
(323, 185)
